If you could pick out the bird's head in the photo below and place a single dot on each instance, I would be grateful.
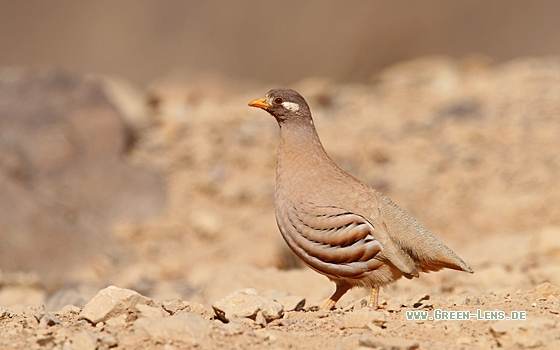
(285, 105)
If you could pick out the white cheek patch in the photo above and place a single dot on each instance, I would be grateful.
(291, 106)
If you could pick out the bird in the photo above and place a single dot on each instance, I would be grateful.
(336, 224)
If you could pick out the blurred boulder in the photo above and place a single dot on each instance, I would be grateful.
(64, 177)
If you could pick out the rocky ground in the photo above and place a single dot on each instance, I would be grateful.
(468, 147)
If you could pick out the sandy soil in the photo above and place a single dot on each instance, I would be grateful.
(469, 148)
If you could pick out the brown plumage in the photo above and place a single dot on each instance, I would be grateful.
(335, 223)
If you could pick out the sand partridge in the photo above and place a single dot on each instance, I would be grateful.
(339, 226)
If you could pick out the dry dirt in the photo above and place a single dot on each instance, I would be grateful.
(471, 149)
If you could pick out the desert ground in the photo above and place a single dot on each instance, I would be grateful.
(143, 218)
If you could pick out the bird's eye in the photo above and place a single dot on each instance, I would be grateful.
(278, 100)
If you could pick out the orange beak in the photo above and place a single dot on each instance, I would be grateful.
(259, 103)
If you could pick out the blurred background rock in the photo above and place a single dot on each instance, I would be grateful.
(128, 155)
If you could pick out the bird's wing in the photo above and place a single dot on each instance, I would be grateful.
(332, 240)
(408, 244)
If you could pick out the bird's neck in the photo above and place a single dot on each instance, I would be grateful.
(300, 151)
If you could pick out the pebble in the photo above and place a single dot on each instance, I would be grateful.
(418, 298)
(49, 319)
(360, 304)
(543, 291)
(246, 303)
(118, 321)
(260, 320)
(173, 306)
(150, 311)
(70, 309)
(113, 302)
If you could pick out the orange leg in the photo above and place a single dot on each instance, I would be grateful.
(374, 298)
(341, 289)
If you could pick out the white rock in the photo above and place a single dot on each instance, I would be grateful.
(150, 311)
(118, 321)
(260, 320)
(70, 309)
(173, 306)
(543, 291)
(247, 303)
(112, 302)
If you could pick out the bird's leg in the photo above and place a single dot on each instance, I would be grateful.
(374, 298)
(341, 289)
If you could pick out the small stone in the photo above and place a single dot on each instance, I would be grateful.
(360, 304)
(361, 318)
(246, 303)
(464, 341)
(260, 320)
(70, 309)
(38, 313)
(119, 321)
(389, 343)
(150, 311)
(418, 298)
(112, 302)
(49, 319)
(173, 306)
(194, 307)
(543, 291)
(29, 314)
